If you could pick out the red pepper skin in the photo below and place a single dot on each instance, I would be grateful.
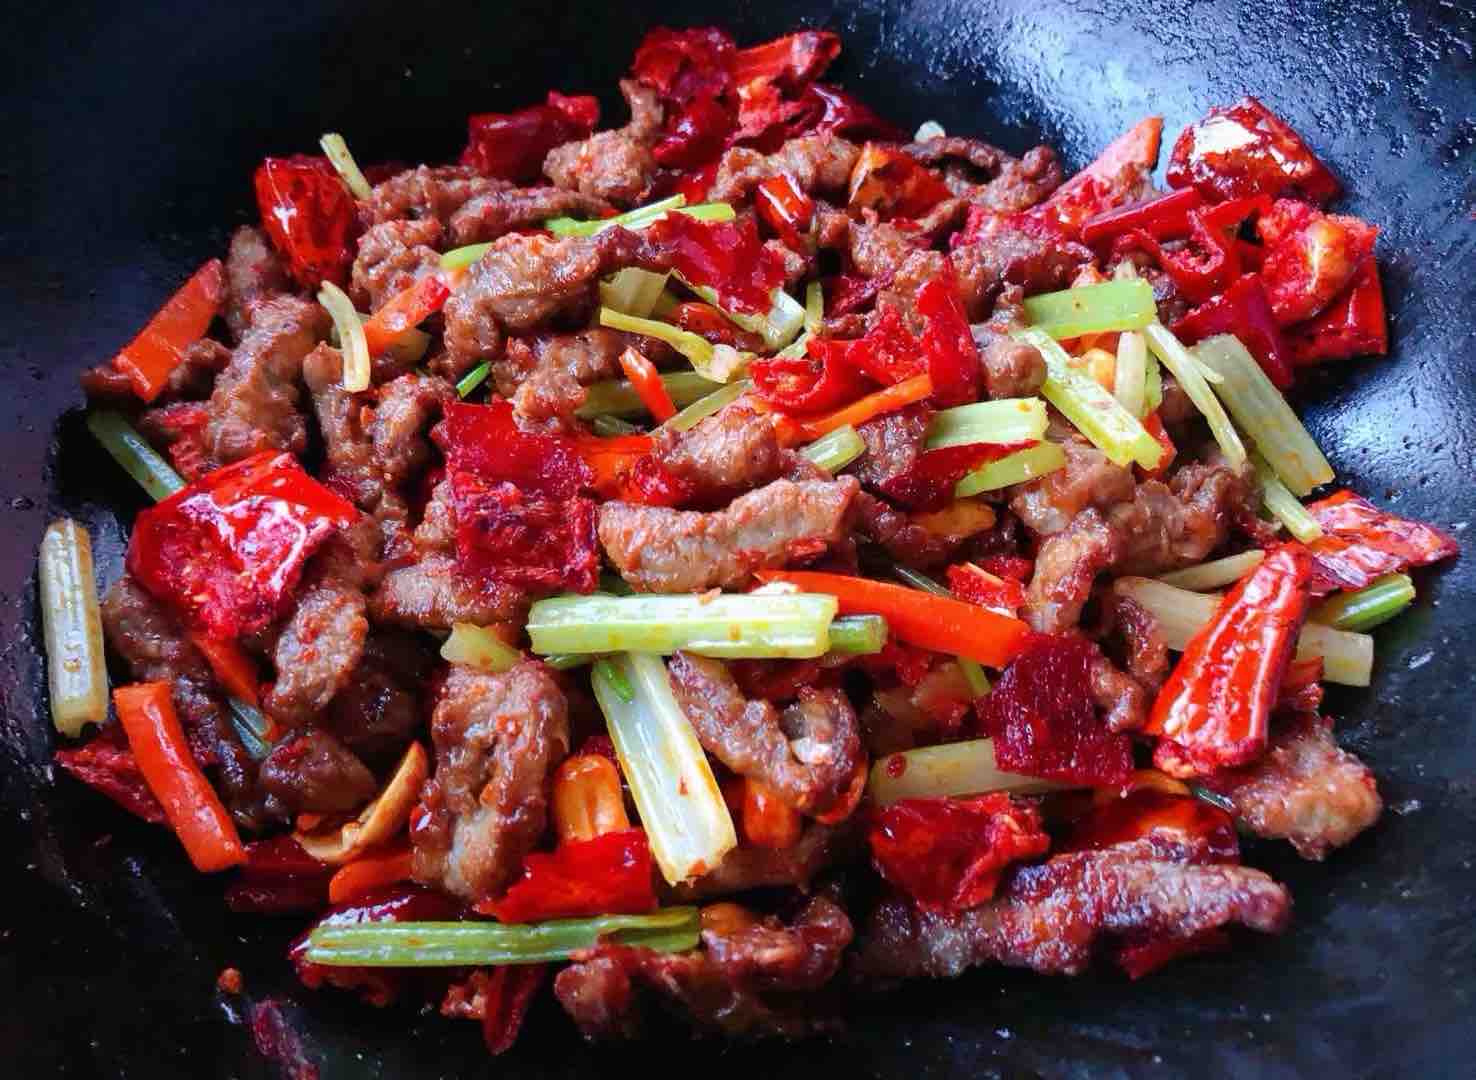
(1175, 824)
(789, 61)
(695, 185)
(512, 146)
(892, 184)
(804, 385)
(948, 853)
(848, 293)
(785, 208)
(1162, 218)
(696, 136)
(725, 255)
(953, 358)
(685, 64)
(226, 551)
(978, 586)
(1309, 266)
(1354, 324)
(1360, 542)
(113, 771)
(505, 535)
(309, 216)
(506, 995)
(1246, 149)
(1112, 178)
(483, 439)
(1211, 260)
(1153, 424)
(1244, 311)
(828, 108)
(928, 484)
(610, 874)
(1214, 710)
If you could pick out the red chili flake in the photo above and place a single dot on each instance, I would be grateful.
(953, 358)
(1178, 826)
(651, 483)
(947, 854)
(1246, 149)
(1360, 542)
(507, 535)
(512, 146)
(309, 216)
(970, 582)
(908, 662)
(724, 255)
(609, 874)
(1014, 567)
(484, 439)
(1044, 722)
(113, 771)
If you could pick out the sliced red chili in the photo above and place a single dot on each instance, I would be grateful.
(1354, 324)
(309, 216)
(1244, 311)
(610, 874)
(1246, 149)
(785, 208)
(1162, 218)
(724, 255)
(1360, 542)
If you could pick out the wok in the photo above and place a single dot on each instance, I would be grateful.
(133, 132)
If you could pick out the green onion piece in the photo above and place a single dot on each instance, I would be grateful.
(1264, 415)
(1213, 798)
(76, 669)
(616, 397)
(641, 217)
(633, 291)
(1016, 468)
(1184, 367)
(611, 427)
(251, 728)
(782, 324)
(1283, 505)
(960, 768)
(1152, 386)
(462, 257)
(569, 661)
(473, 378)
(717, 363)
(344, 164)
(752, 626)
(858, 635)
(1096, 413)
(814, 306)
(1361, 610)
(836, 449)
(1130, 378)
(1007, 420)
(1347, 658)
(704, 407)
(130, 450)
(351, 333)
(483, 944)
(973, 673)
(615, 676)
(681, 807)
(713, 211)
(796, 348)
(1216, 574)
(1093, 309)
(478, 647)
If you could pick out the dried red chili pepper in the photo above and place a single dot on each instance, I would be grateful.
(786, 209)
(1214, 710)
(1244, 311)
(892, 184)
(309, 216)
(724, 255)
(507, 991)
(507, 535)
(685, 64)
(1162, 218)
(1308, 266)
(1360, 542)
(952, 357)
(1115, 176)
(803, 385)
(512, 146)
(111, 770)
(695, 136)
(485, 440)
(1246, 149)
(1210, 260)
(789, 61)
(1177, 826)
(978, 586)
(610, 874)
(1354, 324)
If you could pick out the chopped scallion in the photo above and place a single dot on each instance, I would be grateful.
(641, 217)
(473, 378)
(1189, 372)
(1007, 420)
(1093, 309)
(836, 449)
(633, 291)
(344, 164)
(132, 451)
(356, 367)
(814, 306)
(1285, 506)
(615, 676)
(610, 427)
(569, 661)
(1131, 375)
(1016, 468)
(858, 634)
(717, 363)
(1366, 608)
(782, 324)
(462, 257)
(251, 728)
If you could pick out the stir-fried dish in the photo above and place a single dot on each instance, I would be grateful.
(723, 563)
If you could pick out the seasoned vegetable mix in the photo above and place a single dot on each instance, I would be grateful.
(742, 552)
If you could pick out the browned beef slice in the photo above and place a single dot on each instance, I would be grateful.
(545, 375)
(809, 755)
(378, 712)
(1005, 252)
(744, 868)
(1011, 368)
(817, 163)
(615, 166)
(191, 380)
(1066, 567)
(1049, 504)
(429, 192)
(746, 981)
(1144, 649)
(895, 441)
(987, 175)
(497, 739)
(729, 452)
(310, 771)
(255, 402)
(350, 462)
(407, 409)
(254, 274)
(431, 595)
(879, 248)
(499, 212)
(392, 256)
(900, 537)
(1306, 789)
(1166, 527)
(658, 549)
(1049, 917)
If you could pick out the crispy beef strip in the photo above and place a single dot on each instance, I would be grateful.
(1005, 252)
(816, 163)
(191, 380)
(497, 213)
(254, 275)
(732, 451)
(1048, 504)
(658, 549)
(1066, 567)
(1306, 789)
(310, 771)
(378, 712)
(430, 192)
(895, 443)
(1049, 917)
(545, 376)
(392, 256)
(1011, 368)
(987, 175)
(747, 981)
(808, 754)
(902, 538)
(615, 166)
(497, 740)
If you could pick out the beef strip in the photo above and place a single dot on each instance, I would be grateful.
(615, 166)
(877, 249)
(191, 380)
(1050, 917)
(1065, 568)
(378, 712)
(254, 275)
(732, 451)
(399, 431)
(818, 848)
(895, 443)
(809, 755)
(900, 537)
(816, 163)
(748, 980)
(310, 771)
(255, 402)
(1011, 368)
(392, 256)
(1167, 527)
(658, 549)
(545, 375)
(1006, 251)
(497, 739)
(432, 193)
(497, 213)
(987, 175)
(1047, 505)
(1306, 789)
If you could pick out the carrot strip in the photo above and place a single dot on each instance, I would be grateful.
(883, 401)
(233, 669)
(407, 308)
(647, 382)
(369, 872)
(939, 623)
(160, 347)
(163, 755)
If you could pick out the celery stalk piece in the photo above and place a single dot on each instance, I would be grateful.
(796, 348)
(1093, 309)
(814, 306)
(1007, 420)
(473, 378)
(606, 669)
(1347, 658)
(350, 334)
(718, 363)
(478, 944)
(960, 768)
(704, 407)
(1095, 413)
(681, 808)
(76, 669)
(1361, 610)
(1264, 415)
(1190, 373)
(478, 647)
(835, 450)
(1283, 504)
(569, 661)
(344, 164)
(633, 291)
(974, 675)
(1216, 574)
(641, 217)
(858, 635)
(1012, 469)
(616, 397)
(132, 451)
(463, 257)
(251, 728)
(754, 626)
(1131, 375)
(610, 427)
(1152, 386)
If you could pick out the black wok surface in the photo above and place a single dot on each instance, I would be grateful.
(132, 132)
